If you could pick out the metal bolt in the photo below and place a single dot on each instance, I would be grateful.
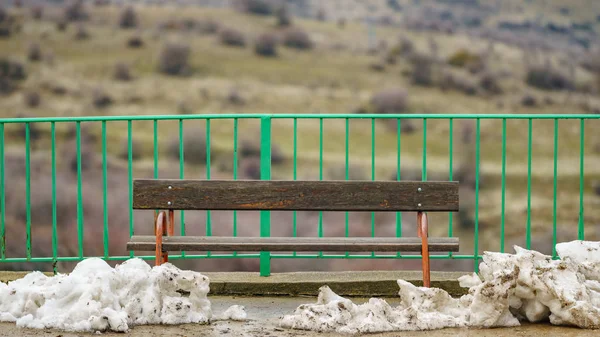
(169, 203)
(419, 189)
(170, 187)
(419, 205)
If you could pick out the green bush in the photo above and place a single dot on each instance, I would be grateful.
(462, 58)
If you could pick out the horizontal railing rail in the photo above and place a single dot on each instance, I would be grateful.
(18, 187)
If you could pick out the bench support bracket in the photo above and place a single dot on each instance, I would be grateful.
(423, 233)
(163, 227)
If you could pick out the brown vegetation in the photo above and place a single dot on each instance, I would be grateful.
(390, 101)
(174, 58)
(232, 37)
(297, 38)
(266, 45)
(128, 18)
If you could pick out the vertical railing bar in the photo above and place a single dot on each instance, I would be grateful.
(347, 174)
(104, 192)
(28, 187)
(398, 158)
(181, 176)
(155, 139)
(54, 215)
(529, 150)
(477, 164)
(320, 229)
(295, 176)
(208, 213)
(373, 174)
(450, 172)
(265, 174)
(235, 165)
(554, 185)
(424, 168)
(2, 197)
(80, 234)
(130, 178)
(502, 214)
(581, 228)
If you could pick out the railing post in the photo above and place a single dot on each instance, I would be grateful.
(265, 174)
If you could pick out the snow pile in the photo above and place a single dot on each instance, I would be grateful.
(96, 297)
(234, 313)
(526, 285)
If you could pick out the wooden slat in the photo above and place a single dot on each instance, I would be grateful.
(295, 195)
(285, 244)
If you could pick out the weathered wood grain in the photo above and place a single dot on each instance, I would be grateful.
(287, 244)
(378, 196)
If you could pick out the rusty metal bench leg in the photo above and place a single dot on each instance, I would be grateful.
(160, 230)
(423, 232)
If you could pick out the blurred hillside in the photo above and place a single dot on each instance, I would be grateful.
(88, 58)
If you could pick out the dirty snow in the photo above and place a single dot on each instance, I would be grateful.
(525, 286)
(234, 313)
(97, 297)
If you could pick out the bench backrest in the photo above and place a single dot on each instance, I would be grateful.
(276, 195)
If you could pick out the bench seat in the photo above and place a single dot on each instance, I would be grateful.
(285, 244)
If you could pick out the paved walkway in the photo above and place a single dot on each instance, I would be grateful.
(263, 315)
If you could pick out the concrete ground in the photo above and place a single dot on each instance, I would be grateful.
(263, 315)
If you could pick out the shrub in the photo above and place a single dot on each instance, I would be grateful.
(548, 78)
(232, 37)
(34, 52)
(75, 11)
(250, 168)
(61, 25)
(321, 15)
(10, 73)
(489, 83)
(32, 99)
(377, 66)
(101, 99)
(136, 149)
(266, 45)
(207, 26)
(407, 173)
(194, 147)
(128, 18)
(248, 148)
(81, 33)
(258, 7)
(390, 100)
(37, 12)
(173, 58)
(283, 16)
(528, 100)
(464, 84)
(463, 58)
(234, 97)
(596, 187)
(355, 172)
(121, 72)
(422, 73)
(135, 42)
(297, 38)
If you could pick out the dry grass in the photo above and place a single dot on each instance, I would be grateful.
(323, 80)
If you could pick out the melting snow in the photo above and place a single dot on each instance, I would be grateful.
(234, 313)
(526, 286)
(96, 297)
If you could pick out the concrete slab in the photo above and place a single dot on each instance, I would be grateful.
(352, 283)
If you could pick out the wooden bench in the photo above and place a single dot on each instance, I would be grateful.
(364, 196)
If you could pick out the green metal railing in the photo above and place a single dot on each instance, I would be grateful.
(266, 142)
